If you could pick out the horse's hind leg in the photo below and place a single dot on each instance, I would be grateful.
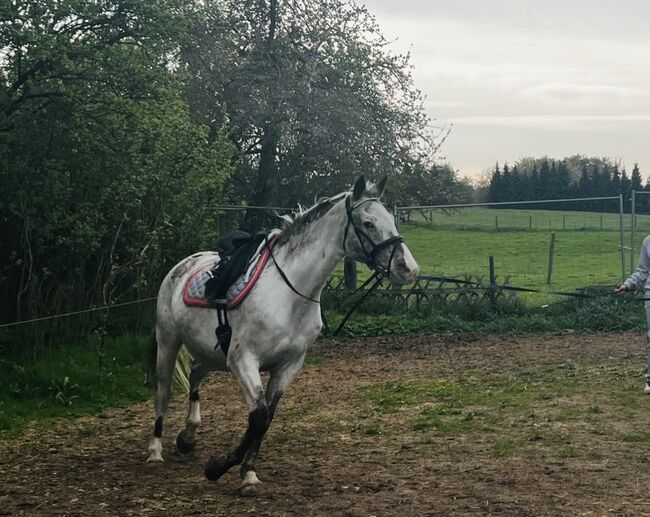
(186, 440)
(168, 347)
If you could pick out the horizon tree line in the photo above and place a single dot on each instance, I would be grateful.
(573, 177)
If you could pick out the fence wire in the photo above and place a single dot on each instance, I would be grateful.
(569, 243)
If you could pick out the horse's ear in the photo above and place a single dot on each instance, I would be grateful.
(359, 188)
(381, 186)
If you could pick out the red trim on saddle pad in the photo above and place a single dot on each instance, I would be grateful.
(200, 301)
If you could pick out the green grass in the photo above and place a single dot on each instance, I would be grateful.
(549, 408)
(70, 383)
(381, 317)
(460, 244)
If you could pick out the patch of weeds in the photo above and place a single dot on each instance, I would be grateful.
(444, 420)
(86, 429)
(595, 456)
(70, 382)
(594, 410)
(315, 361)
(64, 392)
(506, 447)
(391, 397)
(637, 437)
(372, 430)
(569, 451)
(599, 430)
(283, 437)
(468, 404)
(569, 413)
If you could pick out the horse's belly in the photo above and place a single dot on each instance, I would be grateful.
(288, 346)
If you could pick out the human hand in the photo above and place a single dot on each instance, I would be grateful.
(621, 288)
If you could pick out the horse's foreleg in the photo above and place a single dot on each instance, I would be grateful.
(167, 350)
(279, 381)
(186, 440)
(246, 372)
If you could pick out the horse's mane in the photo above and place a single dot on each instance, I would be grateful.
(297, 222)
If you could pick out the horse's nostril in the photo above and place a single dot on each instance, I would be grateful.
(402, 265)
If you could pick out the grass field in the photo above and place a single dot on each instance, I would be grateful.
(73, 381)
(587, 245)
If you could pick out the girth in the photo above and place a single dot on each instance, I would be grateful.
(236, 250)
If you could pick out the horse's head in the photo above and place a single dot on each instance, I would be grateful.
(371, 236)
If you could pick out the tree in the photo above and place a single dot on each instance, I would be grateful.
(616, 183)
(315, 97)
(425, 186)
(100, 163)
(495, 188)
(584, 183)
(636, 183)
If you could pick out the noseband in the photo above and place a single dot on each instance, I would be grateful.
(364, 238)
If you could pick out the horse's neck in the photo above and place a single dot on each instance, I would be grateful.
(310, 263)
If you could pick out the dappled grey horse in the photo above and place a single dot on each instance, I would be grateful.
(280, 319)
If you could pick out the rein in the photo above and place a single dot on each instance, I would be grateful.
(284, 275)
(377, 278)
(380, 272)
(476, 285)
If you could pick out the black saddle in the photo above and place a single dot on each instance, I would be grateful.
(235, 252)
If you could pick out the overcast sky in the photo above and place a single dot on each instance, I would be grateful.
(528, 78)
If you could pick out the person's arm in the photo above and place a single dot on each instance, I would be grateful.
(640, 276)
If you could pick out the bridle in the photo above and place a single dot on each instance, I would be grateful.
(380, 272)
(364, 238)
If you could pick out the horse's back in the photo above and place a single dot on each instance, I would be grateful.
(177, 277)
(194, 326)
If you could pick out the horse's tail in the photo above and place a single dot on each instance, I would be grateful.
(150, 359)
(181, 368)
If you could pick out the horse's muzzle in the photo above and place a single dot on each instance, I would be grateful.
(404, 273)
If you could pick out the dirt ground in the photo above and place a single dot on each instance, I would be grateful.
(317, 460)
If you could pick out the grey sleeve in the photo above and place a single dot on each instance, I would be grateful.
(640, 276)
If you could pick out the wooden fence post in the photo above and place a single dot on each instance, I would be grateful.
(493, 283)
(349, 273)
(551, 253)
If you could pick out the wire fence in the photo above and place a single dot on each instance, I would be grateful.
(251, 218)
(571, 243)
(639, 223)
(25, 340)
(567, 244)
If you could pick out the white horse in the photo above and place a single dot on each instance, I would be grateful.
(279, 320)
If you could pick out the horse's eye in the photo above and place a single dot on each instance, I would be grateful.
(368, 224)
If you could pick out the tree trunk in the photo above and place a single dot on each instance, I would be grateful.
(256, 218)
(266, 172)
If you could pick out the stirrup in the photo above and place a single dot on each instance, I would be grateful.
(223, 330)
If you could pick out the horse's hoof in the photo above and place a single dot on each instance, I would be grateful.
(215, 469)
(155, 457)
(250, 484)
(185, 442)
(249, 490)
(155, 451)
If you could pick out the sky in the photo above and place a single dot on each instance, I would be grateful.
(520, 78)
